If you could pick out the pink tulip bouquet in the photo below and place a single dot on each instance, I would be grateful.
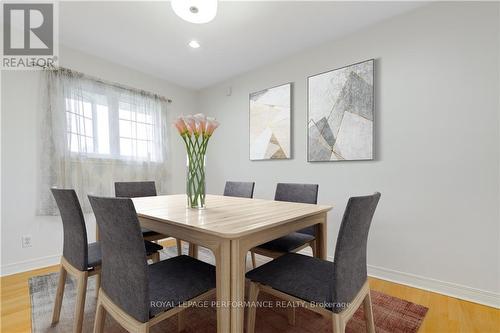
(196, 131)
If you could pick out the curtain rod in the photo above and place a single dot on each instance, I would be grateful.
(106, 82)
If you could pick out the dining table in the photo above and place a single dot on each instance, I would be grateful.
(230, 227)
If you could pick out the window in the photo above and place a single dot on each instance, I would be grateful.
(80, 128)
(136, 130)
(94, 133)
(113, 126)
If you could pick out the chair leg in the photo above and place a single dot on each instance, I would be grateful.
(97, 283)
(80, 301)
(313, 248)
(179, 246)
(155, 257)
(253, 294)
(59, 295)
(193, 250)
(181, 324)
(254, 262)
(367, 305)
(290, 314)
(100, 318)
(338, 324)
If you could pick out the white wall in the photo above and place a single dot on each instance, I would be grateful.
(20, 105)
(436, 144)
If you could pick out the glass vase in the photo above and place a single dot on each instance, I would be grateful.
(195, 180)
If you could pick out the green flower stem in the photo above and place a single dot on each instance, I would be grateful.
(191, 172)
(196, 147)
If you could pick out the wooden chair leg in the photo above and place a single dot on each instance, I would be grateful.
(338, 324)
(59, 295)
(80, 301)
(97, 283)
(179, 246)
(313, 248)
(290, 314)
(367, 305)
(254, 262)
(253, 294)
(100, 318)
(155, 257)
(193, 250)
(181, 324)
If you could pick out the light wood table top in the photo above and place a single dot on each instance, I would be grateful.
(227, 217)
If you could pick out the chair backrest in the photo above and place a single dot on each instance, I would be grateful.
(350, 253)
(239, 189)
(124, 275)
(75, 247)
(135, 189)
(303, 193)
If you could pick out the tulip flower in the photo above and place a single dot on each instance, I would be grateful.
(201, 123)
(181, 126)
(190, 123)
(212, 125)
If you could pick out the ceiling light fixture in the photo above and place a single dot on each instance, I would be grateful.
(194, 44)
(195, 11)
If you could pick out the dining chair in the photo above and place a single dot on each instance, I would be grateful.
(135, 294)
(143, 189)
(296, 241)
(334, 289)
(79, 258)
(239, 189)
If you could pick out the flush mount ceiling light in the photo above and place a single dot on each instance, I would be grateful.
(195, 11)
(194, 44)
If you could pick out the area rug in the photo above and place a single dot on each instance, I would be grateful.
(392, 315)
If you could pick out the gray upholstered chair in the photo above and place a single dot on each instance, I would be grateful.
(135, 294)
(337, 288)
(135, 189)
(79, 258)
(239, 189)
(296, 241)
(142, 189)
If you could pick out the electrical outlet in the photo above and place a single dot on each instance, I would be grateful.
(26, 241)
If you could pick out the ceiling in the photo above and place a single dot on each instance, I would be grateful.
(149, 37)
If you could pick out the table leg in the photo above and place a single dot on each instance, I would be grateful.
(238, 260)
(321, 250)
(223, 285)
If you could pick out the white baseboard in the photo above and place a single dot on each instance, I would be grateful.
(446, 288)
(27, 265)
(479, 296)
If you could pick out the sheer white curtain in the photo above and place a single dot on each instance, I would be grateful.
(95, 133)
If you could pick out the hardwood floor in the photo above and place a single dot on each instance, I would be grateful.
(446, 314)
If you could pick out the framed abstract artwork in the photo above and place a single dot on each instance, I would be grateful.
(270, 121)
(340, 114)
